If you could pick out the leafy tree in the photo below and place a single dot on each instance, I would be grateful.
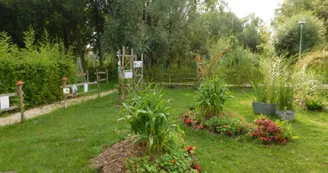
(287, 37)
(292, 7)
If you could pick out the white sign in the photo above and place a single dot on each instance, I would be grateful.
(137, 64)
(4, 102)
(74, 89)
(128, 75)
(85, 87)
(66, 90)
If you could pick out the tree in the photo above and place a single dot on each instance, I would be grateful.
(287, 36)
(250, 35)
(293, 7)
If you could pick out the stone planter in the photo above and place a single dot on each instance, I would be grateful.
(264, 108)
(286, 114)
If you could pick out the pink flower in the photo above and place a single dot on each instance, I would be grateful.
(201, 126)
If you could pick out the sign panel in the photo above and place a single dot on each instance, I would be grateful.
(128, 75)
(74, 89)
(86, 87)
(4, 102)
(66, 90)
(137, 64)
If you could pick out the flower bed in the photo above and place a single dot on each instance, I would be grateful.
(269, 132)
(223, 124)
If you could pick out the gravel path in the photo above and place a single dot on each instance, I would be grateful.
(15, 117)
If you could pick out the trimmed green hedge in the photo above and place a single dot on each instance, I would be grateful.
(40, 67)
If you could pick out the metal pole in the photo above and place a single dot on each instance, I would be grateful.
(300, 49)
(302, 22)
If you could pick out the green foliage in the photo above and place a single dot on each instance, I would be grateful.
(147, 115)
(265, 85)
(309, 89)
(226, 125)
(314, 103)
(287, 37)
(211, 96)
(291, 7)
(40, 66)
(285, 97)
(179, 162)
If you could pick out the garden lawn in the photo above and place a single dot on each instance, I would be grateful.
(65, 140)
(223, 154)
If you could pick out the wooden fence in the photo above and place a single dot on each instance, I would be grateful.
(19, 93)
(86, 84)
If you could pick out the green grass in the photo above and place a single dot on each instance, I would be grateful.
(65, 140)
(62, 141)
(223, 154)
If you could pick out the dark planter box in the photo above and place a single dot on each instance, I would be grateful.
(286, 115)
(264, 108)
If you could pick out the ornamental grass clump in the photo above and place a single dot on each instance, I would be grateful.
(147, 115)
(211, 97)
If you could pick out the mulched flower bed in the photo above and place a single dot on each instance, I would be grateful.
(113, 159)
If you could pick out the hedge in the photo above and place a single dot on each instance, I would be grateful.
(40, 67)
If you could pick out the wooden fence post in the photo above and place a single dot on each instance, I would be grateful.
(87, 73)
(169, 79)
(107, 75)
(19, 86)
(98, 83)
(64, 80)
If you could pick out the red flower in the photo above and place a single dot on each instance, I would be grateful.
(263, 139)
(201, 126)
(197, 167)
(188, 121)
(189, 148)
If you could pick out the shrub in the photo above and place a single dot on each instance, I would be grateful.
(314, 103)
(40, 66)
(309, 89)
(211, 97)
(269, 132)
(147, 115)
(226, 125)
(286, 38)
(179, 161)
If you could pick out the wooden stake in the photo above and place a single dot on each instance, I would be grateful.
(87, 73)
(107, 75)
(98, 83)
(19, 86)
(122, 75)
(64, 80)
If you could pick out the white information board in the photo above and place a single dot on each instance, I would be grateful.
(4, 102)
(128, 75)
(137, 64)
(66, 90)
(86, 87)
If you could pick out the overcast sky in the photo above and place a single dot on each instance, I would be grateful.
(262, 8)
